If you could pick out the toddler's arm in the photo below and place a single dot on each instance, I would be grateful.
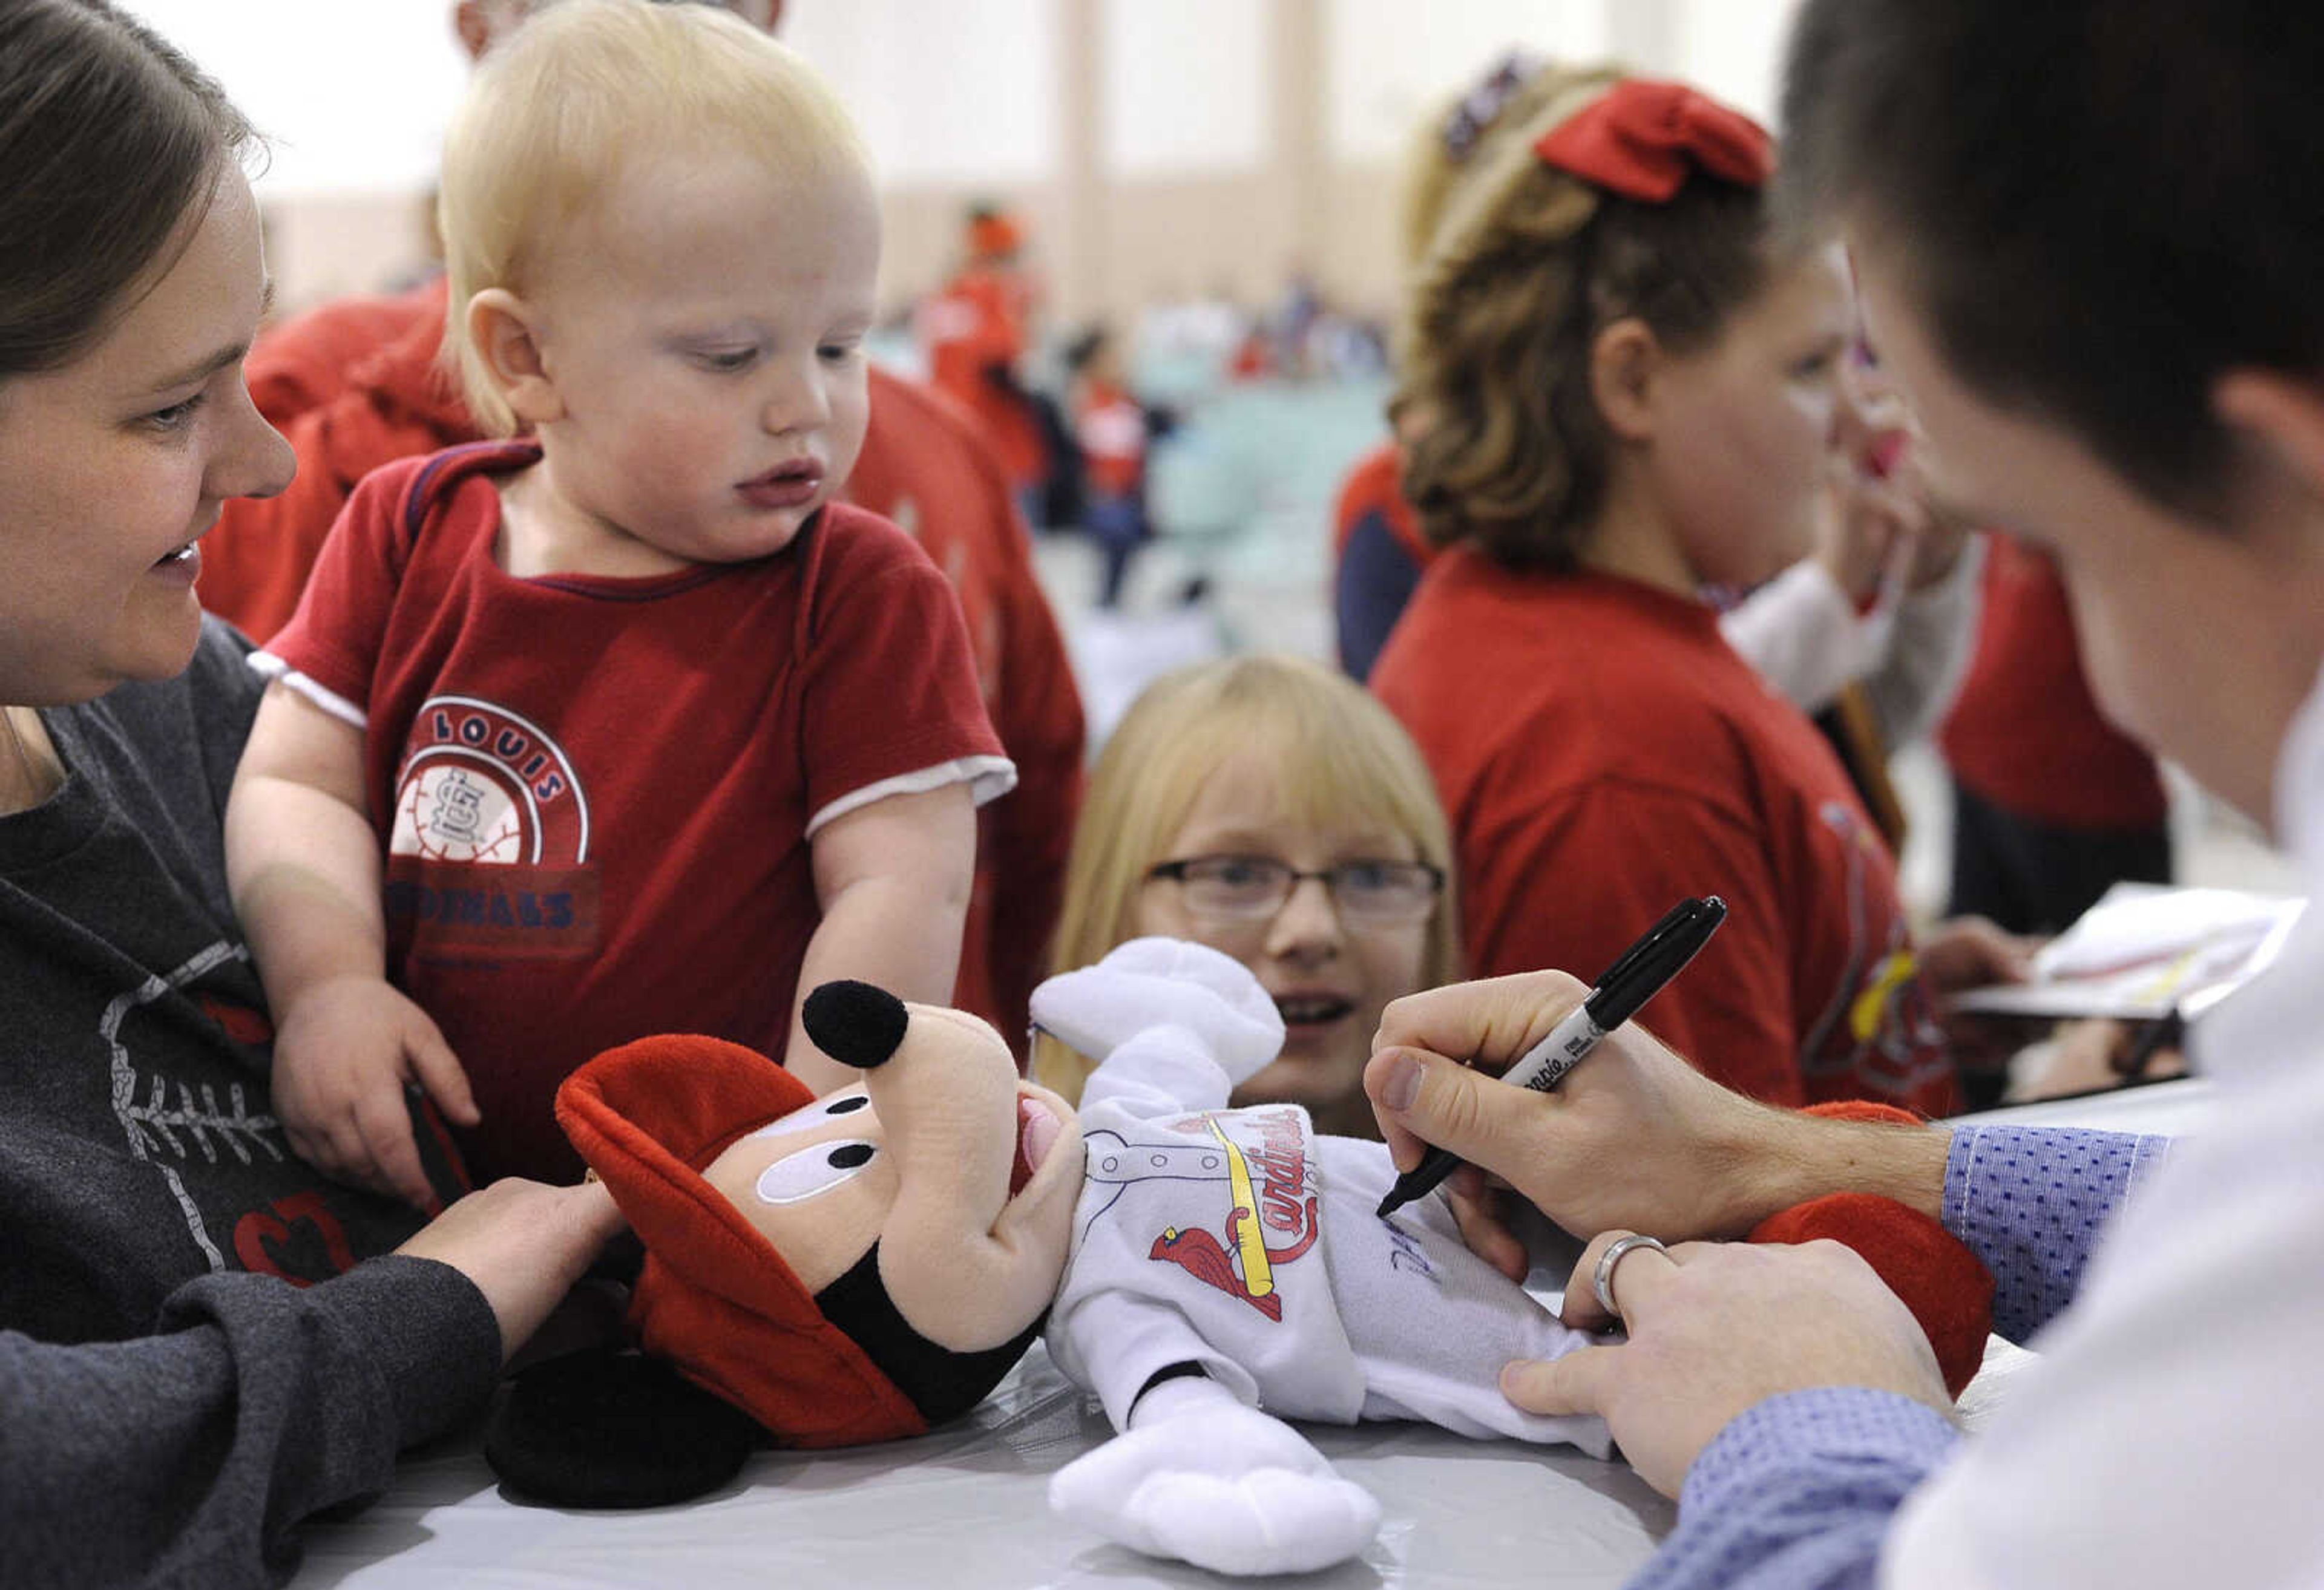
(892, 878)
(303, 862)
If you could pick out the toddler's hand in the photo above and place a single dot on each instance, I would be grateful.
(342, 1055)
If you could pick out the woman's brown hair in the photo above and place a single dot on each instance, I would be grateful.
(1527, 264)
(111, 140)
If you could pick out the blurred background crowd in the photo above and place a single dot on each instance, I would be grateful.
(1157, 248)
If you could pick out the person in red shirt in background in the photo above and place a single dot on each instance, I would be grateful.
(354, 384)
(1617, 390)
(1110, 429)
(976, 329)
(2053, 805)
(1869, 633)
(1870, 665)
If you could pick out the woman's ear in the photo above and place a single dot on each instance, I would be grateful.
(504, 331)
(2284, 414)
(1624, 360)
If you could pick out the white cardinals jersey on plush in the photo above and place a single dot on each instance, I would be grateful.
(1241, 1241)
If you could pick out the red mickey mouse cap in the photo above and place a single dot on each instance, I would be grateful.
(715, 1298)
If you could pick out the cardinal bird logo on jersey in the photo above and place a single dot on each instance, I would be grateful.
(1276, 1199)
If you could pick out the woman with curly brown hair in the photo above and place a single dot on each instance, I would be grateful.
(1616, 390)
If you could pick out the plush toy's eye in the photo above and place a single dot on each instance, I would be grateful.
(819, 1114)
(814, 1170)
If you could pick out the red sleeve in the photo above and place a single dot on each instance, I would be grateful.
(1569, 882)
(334, 637)
(889, 688)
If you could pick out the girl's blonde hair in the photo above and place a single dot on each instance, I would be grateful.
(554, 116)
(1339, 758)
(1522, 265)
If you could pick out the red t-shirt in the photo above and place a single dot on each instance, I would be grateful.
(2024, 732)
(356, 384)
(595, 794)
(1602, 753)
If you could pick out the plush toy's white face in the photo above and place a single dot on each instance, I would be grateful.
(818, 1184)
(965, 1175)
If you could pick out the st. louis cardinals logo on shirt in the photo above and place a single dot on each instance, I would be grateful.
(1269, 1220)
(489, 854)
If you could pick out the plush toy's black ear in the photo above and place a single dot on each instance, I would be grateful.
(856, 1024)
(610, 1429)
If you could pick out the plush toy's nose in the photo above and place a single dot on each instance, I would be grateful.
(855, 1024)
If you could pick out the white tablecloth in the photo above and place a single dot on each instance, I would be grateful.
(965, 1510)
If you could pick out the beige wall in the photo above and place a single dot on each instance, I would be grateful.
(1163, 237)
(1103, 244)
(1147, 239)
(320, 248)
(1103, 247)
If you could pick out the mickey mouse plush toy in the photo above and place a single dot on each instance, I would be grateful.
(868, 1264)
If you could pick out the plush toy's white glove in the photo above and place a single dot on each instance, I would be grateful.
(1206, 1480)
(1149, 983)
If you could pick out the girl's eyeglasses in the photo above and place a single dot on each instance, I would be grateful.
(1253, 888)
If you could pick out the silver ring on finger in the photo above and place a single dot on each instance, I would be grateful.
(1601, 1281)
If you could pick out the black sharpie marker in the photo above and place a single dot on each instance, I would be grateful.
(1643, 971)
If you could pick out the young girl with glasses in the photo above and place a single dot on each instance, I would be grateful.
(1266, 807)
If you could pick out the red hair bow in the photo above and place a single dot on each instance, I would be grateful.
(1641, 137)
